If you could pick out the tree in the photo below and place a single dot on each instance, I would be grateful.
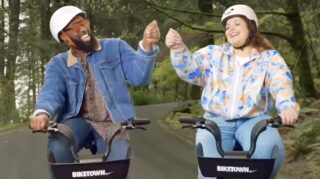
(8, 100)
(300, 47)
(3, 34)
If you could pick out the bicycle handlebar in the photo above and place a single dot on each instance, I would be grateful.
(275, 122)
(214, 129)
(52, 126)
(132, 123)
(191, 120)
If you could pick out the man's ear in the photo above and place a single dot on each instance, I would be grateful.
(66, 39)
(63, 37)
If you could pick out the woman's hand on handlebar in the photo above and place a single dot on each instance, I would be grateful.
(289, 116)
(39, 122)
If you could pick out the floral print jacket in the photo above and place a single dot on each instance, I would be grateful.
(264, 77)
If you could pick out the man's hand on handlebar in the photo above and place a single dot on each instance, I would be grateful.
(39, 122)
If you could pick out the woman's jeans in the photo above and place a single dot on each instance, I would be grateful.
(84, 134)
(269, 143)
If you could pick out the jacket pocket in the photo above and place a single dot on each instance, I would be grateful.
(74, 85)
(111, 70)
(109, 63)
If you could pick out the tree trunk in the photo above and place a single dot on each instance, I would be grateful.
(8, 94)
(44, 34)
(299, 45)
(2, 57)
(2, 37)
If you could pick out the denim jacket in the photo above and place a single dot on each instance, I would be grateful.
(263, 77)
(113, 67)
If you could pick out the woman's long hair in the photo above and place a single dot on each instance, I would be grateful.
(259, 41)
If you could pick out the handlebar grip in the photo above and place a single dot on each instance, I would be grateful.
(277, 122)
(276, 119)
(39, 131)
(141, 122)
(188, 120)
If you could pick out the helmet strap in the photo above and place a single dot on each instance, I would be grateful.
(244, 45)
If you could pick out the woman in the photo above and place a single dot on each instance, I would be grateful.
(239, 80)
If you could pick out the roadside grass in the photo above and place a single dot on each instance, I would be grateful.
(8, 127)
(171, 121)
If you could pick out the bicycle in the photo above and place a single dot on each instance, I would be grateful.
(93, 166)
(233, 164)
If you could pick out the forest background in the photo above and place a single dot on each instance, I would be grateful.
(292, 26)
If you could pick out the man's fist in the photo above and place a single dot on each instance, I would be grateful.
(151, 35)
(39, 122)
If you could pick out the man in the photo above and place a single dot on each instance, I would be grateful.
(85, 88)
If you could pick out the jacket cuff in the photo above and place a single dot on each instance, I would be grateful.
(148, 53)
(296, 106)
(178, 50)
(39, 111)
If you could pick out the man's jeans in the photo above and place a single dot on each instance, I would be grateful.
(269, 143)
(84, 134)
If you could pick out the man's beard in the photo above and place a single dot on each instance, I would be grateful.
(85, 46)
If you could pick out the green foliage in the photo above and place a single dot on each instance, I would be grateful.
(306, 143)
(164, 75)
(145, 97)
(196, 109)
(141, 97)
(185, 109)
(304, 137)
(10, 126)
(314, 158)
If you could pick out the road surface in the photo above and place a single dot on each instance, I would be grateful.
(158, 153)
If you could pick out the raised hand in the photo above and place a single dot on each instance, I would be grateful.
(174, 40)
(151, 35)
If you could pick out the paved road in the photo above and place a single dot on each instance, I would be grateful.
(158, 153)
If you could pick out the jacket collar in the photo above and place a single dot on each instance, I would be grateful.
(71, 60)
(228, 50)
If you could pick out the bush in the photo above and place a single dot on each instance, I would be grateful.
(141, 97)
(306, 143)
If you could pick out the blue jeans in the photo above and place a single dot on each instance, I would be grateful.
(269, 143)
(84, 134)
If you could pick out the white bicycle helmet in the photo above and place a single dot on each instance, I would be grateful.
(61, 18)
(240, 9)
